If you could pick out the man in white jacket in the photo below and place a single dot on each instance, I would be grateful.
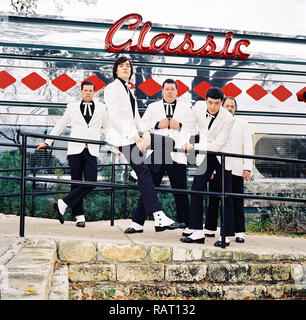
(86, 118)
(241, 140)
(215, 125)
(171, 118)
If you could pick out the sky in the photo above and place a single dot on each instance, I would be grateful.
(286, 17)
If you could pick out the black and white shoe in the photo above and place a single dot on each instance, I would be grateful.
(80, 224)
(134, 228)
(133, 176)
(209, 233)
(177, 225)
(187, 232)
(219, 242)
(162, 222)
(197, 236)
(60, 216)
(240, 237)
(80, 221)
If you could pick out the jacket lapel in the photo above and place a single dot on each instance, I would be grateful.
(125, 95)
(95, 113)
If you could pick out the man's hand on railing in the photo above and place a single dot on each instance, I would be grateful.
(246, 174)
(186, 147)
(41, 146)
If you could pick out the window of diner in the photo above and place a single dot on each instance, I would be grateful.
(281, 146)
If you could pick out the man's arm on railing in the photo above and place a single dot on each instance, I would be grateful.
(56, 131)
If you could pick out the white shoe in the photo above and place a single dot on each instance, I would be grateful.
(62, 206)
(162, 222)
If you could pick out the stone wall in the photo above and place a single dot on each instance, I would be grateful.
(143, 271)
(48, 269)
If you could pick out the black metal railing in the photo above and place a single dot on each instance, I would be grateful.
(114, 186)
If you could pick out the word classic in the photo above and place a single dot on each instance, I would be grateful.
(162, 41)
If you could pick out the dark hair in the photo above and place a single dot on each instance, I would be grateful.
(87, 83)
(231, 98)
(121, 60)
(169, 81)
(214, 93)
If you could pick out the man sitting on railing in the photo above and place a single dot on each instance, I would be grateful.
(86, 118)
(215, 125)
(172, 118)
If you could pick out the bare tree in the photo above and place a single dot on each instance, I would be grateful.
(24, 6)
(30, 6)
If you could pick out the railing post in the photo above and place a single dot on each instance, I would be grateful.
(125, 191)
(33, 193)
(23, 184)
(223, 244)
(113, 190)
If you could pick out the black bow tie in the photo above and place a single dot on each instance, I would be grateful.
(210, 115)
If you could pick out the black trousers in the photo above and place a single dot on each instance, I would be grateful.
(238, 207)
(177, 176)
(146, 186)
(200, 184)
(82, 164)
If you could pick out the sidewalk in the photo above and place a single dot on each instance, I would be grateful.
(102, 231)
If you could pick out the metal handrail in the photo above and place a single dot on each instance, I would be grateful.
(113, 186)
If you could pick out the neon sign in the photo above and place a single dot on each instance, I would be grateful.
(162, 42)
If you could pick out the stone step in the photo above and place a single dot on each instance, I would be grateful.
(84, 251)
(28, 273)
(201, 291)
(231, 273)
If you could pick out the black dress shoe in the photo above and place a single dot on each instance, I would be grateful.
(80, 224)
(189, 240)
(177, 225)
(186, 234)
(59, 215)
(132, 230)
(159, 229)
(239, 240)
(210, 235)
(219, 244)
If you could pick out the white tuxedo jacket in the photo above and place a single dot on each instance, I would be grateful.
(217, 138)
(80, 129)
(123, 126)
(182, 113)
(241, 143)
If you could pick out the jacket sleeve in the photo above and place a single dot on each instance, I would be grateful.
(247, 147)
(112, 103)
(59, 127)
